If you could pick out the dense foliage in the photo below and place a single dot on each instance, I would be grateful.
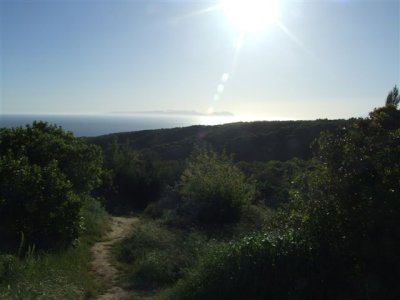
(273, 179)
(259, 266)
(37, 203)
(157, 256)
(131, 182)
(351, 203)
(257, 223)
(42, 143)
(252, 141)
(44, 172)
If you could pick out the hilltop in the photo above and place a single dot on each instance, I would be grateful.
(248, 141)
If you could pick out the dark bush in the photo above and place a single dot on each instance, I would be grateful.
(133, 181)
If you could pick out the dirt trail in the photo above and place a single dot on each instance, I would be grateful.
(102, 266)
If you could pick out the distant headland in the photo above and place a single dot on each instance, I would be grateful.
(176, 112)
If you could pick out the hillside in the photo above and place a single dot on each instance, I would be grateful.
(250, 141)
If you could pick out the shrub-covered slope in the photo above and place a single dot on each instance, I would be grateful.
(253, 141)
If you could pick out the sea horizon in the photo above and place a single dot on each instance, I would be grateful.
(95, 124)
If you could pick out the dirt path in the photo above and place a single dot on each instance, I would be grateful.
(102, 266)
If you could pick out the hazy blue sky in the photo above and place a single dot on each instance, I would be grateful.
(335, 59)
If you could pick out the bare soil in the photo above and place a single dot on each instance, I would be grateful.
(102, 266)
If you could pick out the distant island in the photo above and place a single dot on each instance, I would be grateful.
(176, 112)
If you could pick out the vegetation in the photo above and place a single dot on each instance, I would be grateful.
(253, 141)
(131, 182)
(44, 172)
(155, 255)
(213, 190)
(238, 211)
(393, 98)
(273, 179)
(34, 274)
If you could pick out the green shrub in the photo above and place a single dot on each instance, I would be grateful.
(94, 219)
(155, 269)
(274, 179)
(42, 143)
(156, 257)
(9, 265)
(259, 266)
(213, 190)
(146, 237)
(44, 173)
(351, 203)
(134, 181)
(150, 256)
(153, 211)
(255, 218)
(37, 202)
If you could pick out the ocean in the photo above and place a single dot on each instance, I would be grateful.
(100, 124)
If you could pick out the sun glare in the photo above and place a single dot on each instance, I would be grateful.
(251, 15)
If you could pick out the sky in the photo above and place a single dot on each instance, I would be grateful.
(315, 59)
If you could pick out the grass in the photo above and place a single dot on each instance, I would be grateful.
(59, 275)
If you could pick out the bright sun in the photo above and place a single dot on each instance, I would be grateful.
(251, 15)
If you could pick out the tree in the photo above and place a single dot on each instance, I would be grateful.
(393, 98)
